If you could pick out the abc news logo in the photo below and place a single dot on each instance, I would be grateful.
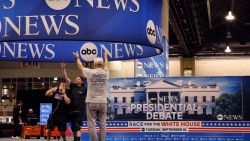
(88, 51)
(151, 32)
(230, 117)
(139, 65)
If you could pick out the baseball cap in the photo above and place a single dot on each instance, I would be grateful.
(98, 61)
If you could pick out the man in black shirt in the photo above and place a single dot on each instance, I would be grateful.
(17, 118)
(78, 93)
(31, 118)
(58, 116)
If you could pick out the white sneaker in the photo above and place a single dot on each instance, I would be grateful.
(14, 137)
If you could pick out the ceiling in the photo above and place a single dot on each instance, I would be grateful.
(199, 28)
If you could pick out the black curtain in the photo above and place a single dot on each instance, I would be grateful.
(31, 100)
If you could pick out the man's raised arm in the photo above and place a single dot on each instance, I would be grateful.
(65, 75)
(50, 91)
(78, 61)
(106, 59)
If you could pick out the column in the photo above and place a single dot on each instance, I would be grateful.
(188, 66)
(147, 97)
(165, 17)
(158, 98)
(169, 93)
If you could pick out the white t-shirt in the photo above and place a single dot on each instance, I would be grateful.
(97, 84)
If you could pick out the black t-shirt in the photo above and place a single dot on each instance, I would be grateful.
(16, 114)
(77, 96)
(30, 116)
(58, 104)
(31, 119)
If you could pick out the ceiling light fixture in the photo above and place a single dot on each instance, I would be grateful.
(230, 16)
(228, 50)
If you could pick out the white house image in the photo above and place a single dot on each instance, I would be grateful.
(163, 92)
(121, 98)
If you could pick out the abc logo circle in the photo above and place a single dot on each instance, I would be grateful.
(88, 51)
(139, 65)
(58, 4)
(220, 117)
(151, 32)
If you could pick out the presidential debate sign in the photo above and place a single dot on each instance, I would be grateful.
(50, 30)
(178, 109)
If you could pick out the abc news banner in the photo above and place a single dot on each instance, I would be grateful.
(50, 30)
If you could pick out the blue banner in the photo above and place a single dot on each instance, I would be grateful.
(45, 110)
(156, 66)
(178, 108)
(58, 51)
(133, 23)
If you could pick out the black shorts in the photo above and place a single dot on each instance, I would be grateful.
(56, 121)
(75, 119)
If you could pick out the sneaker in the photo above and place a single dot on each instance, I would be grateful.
(14, 137)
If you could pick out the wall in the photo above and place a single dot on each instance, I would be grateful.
(127, 69)
(220, 66)
(174, 66)
(121, 69)
(226, 66)
(14, 69)
(213, 66)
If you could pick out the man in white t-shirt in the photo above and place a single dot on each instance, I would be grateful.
(96, 100)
